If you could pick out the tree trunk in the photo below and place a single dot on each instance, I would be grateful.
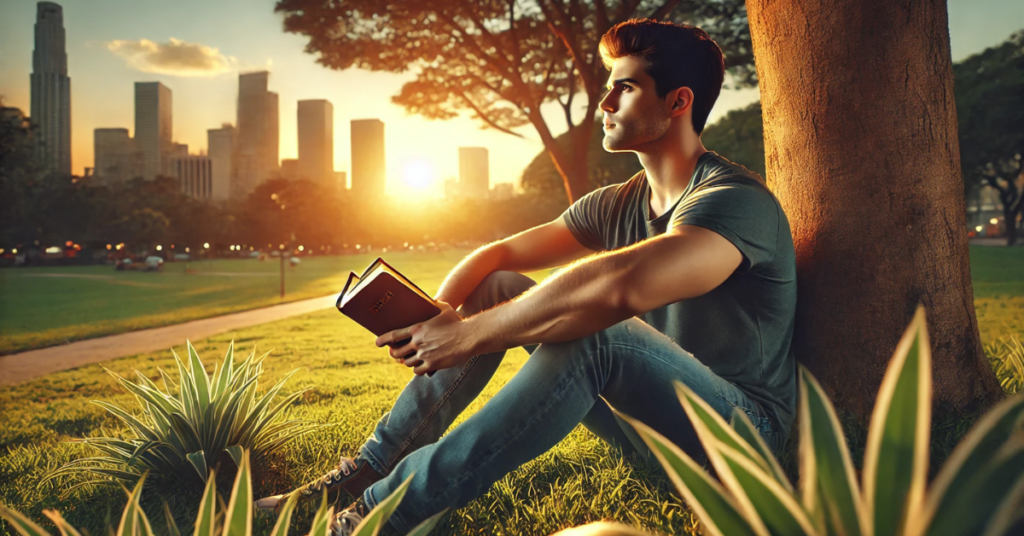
(861, 149)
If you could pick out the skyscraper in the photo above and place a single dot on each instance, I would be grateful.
(153, 128)
(115, 157)
(316, 140)
(51, 90)
(474, 171)
(223, 151)
(257, 131)
(367, 157)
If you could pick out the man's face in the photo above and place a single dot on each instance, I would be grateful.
(633, 113)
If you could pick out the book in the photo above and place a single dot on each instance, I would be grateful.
(381, 299)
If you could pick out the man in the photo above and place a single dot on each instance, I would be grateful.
(693, 281)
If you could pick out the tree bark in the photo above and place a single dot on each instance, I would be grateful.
(861, 149)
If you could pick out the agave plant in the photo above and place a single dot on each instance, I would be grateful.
(980, 489)
(185, 427)
(234, 520)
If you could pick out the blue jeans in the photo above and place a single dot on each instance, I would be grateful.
(631, 365)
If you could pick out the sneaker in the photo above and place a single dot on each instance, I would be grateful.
(353, 476)
(345, 523)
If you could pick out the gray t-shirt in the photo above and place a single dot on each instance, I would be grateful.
(742, 330)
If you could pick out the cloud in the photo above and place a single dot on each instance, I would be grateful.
(176, 57)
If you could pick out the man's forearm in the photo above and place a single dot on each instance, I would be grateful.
(583, 299)
(465, 277)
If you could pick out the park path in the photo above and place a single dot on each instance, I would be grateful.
(24, 366)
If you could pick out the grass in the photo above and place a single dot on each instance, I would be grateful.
(42, 306)
(351, 384)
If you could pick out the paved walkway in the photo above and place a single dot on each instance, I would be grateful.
(16, 368)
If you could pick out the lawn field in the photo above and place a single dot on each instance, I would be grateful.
(351, 383)
(42, 306)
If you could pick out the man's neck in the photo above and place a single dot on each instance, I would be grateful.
(669, 167)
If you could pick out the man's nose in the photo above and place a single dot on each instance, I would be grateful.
(607, 103)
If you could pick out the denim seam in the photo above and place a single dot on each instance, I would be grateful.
(430, 415)
(555, 398)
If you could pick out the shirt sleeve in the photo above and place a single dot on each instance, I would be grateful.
(588, 216)
(742, 211)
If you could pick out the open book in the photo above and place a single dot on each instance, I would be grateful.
(383, 300)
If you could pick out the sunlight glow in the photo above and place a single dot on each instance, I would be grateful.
(419, 174)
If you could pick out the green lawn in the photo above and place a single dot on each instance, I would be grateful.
(352, 383)
(46, 306)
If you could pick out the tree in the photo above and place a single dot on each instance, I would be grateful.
(990, 112)
(502, 59)
(861, 150)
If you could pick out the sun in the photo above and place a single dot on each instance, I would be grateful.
(419, 174)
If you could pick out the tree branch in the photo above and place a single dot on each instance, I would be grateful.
(483, 116)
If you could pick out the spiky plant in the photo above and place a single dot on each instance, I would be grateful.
(184, 428)
(979, 491)
(234, 520)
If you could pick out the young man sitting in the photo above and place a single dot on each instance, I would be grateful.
(694, 281)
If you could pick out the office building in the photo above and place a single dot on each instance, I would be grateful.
(474, 172)
(258, 134)
(115, 158)
(290, 169)
(223, 153)
(503, 191)
(194, 174)
(153, 128)
(316, 140)
(50, 106)
(368, 157)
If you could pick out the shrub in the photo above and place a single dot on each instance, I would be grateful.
(186, 428)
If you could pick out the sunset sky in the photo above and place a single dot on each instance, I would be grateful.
(112, 43)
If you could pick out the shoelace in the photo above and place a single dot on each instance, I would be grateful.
(344, 467)
(346, 522)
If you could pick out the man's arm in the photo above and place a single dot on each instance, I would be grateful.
(543, 246)
(601, 291)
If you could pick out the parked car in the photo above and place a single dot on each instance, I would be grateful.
(154, 263)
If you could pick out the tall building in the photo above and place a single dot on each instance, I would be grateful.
(223, 152)
(153, 128)
(474, 171)
(51, 90)
(367, 157)
(290, 169)
(194, 174)
(115, 158)
(257, 131)
(316, 140)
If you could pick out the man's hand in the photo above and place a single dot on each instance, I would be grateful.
(441, 342)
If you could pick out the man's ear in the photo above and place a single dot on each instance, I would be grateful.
(681, 100)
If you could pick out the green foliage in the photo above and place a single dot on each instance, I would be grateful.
(979, 490)
(234, 520)
(739, 136)
(189, 425)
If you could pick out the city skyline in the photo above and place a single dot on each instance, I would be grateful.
(106, 44)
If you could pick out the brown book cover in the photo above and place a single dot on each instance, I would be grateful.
(382, 300)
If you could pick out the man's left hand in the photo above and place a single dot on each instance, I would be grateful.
(443, 341)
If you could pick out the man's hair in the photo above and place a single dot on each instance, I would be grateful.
(676, 55)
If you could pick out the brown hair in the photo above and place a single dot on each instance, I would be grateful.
(677, 55)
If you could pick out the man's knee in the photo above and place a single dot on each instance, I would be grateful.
(496, 288)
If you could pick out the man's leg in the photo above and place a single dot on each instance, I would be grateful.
(428, 405)
(631, 365)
